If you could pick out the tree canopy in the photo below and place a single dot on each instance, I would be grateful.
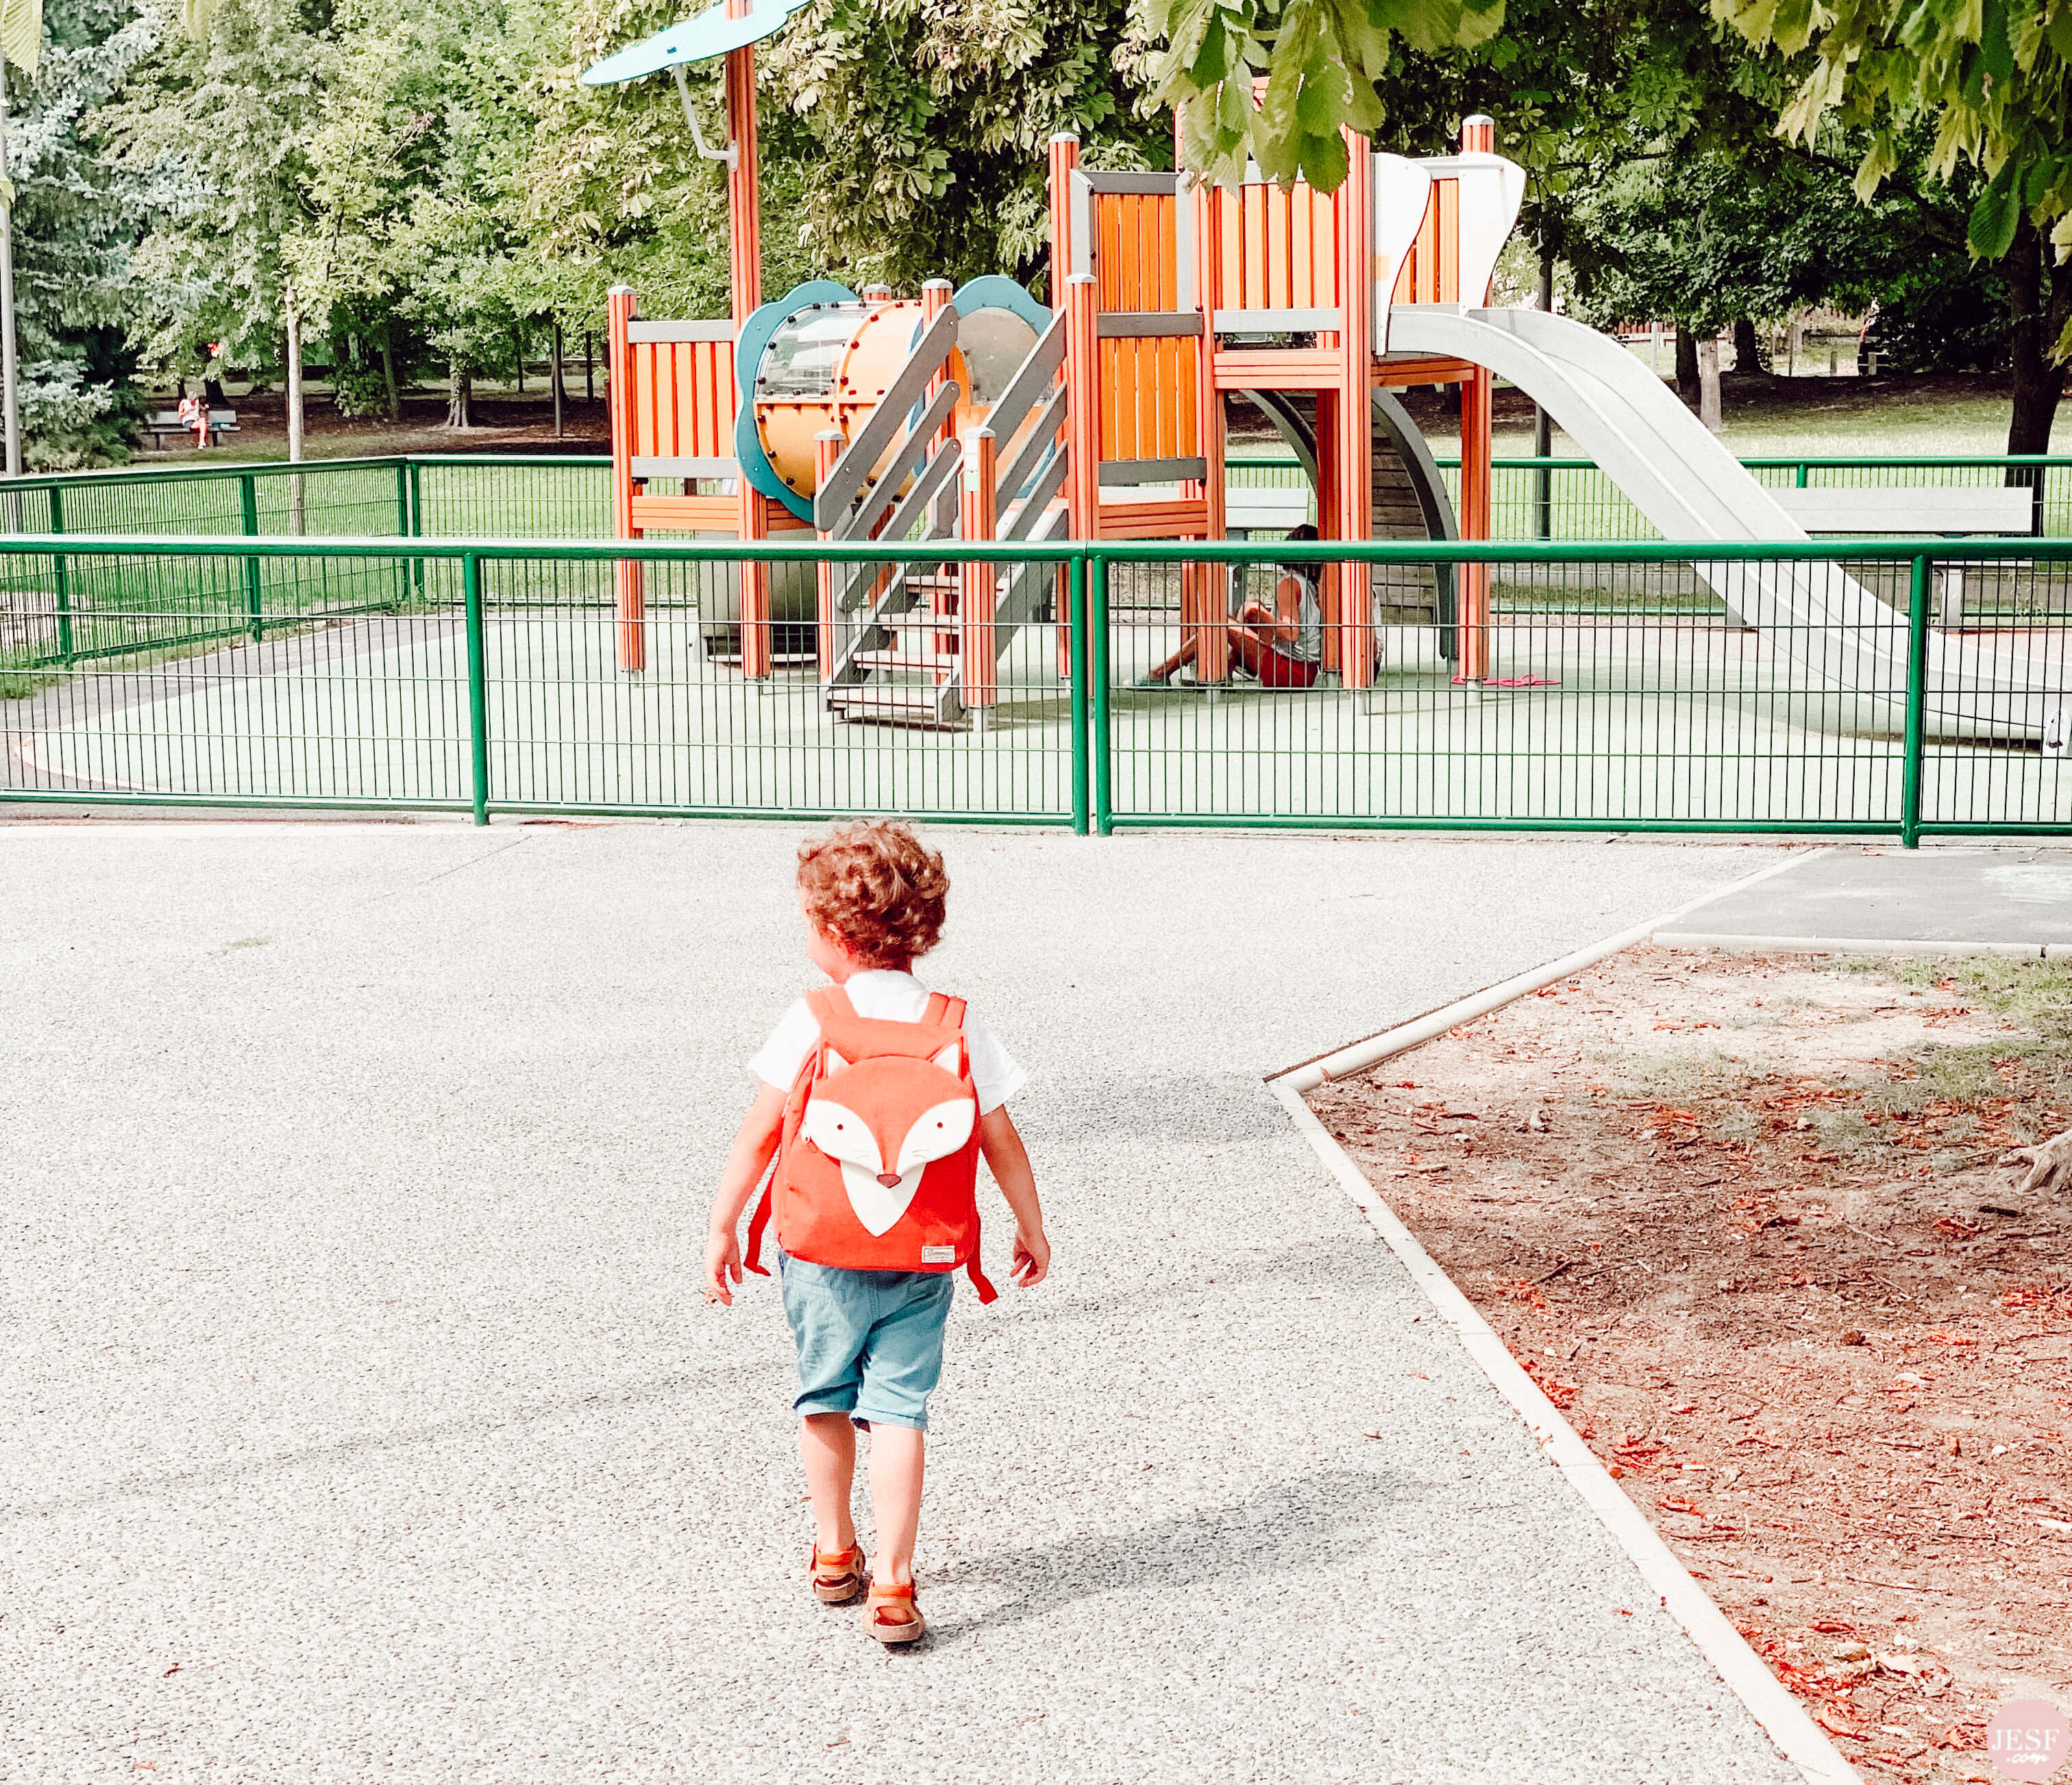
(435, 186)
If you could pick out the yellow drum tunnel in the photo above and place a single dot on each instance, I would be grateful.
(829, 366)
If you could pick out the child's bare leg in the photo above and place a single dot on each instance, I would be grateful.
(827, 1446)
(1184, 654)
(896, 1453)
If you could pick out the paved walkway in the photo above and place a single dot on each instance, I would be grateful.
(359, 1415)
(1947, 899)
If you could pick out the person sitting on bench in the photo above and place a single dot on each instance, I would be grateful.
(1282, 645)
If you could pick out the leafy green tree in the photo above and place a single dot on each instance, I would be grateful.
(219, 125)
(75, 220)
(920, 131)
(1993, 78)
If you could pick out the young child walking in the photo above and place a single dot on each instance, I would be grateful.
(875, 1098)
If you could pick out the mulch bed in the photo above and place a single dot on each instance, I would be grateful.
(1746, 1221)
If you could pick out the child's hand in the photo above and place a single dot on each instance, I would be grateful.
(722, 1265)
(1032, 1257)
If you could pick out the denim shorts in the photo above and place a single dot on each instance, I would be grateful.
(870, 1342)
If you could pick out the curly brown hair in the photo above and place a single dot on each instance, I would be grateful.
(877, 888)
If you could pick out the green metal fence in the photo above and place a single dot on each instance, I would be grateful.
(481, 676)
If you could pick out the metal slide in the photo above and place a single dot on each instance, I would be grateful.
(1691, 488)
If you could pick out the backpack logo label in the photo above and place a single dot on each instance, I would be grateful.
(884, 1120)
(939, 1255)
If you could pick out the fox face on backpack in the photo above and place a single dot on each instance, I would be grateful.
(876, 1164)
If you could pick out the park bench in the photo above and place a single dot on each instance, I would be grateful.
(1868, 511)
(167, 422)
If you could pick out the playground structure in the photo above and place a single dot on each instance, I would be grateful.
(979, 415)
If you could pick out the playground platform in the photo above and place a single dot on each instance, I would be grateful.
(363, 1416)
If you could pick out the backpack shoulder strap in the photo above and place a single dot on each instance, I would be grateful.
(943, 1011)
(830, 1000)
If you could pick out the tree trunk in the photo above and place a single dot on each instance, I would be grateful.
(1748, 350)
(294, 318)
(1686, 365)
(2039, 297)
(561, 395)
(1708, 384)
(460, 393)
(518, 343)
(590, 384)
(395, 409)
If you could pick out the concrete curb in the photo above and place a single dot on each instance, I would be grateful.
(1787, 1723)
(1856, 945)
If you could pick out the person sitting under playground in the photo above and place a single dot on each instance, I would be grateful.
(1282, 645)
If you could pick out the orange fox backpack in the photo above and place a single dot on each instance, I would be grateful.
(876, 1164)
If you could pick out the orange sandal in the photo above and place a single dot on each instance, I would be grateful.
(885, 1596)
(839, 1578)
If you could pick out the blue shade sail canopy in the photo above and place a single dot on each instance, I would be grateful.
(710, 34)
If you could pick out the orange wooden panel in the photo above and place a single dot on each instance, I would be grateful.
(1326, 215)
(1111, 407)
(1150, 266)
(1280, 225)
(1278, 369)
(638, 385)
(1167, 211)
(1254, 244)
(686, 513)
(1130, 242)
(1179, 519)
(1405, 287)
(1109, 262)
(1301, 251)
(691, 393)
(1186, 377)
(712, 402)
(1433, 371)
(1447, 196)
(1232, 236)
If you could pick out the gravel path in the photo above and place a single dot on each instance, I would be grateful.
(359, 1416)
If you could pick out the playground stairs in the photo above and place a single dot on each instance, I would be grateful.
(902, 630)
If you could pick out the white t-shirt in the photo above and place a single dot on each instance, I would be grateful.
(889, 997)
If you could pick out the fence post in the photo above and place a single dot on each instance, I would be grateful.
(61, 575)
(477, 689)
(1802, 473)
(416, 528)
(248, 496)
(402, 532)
(1101, 744)
(1917, 700)
(1076, 627)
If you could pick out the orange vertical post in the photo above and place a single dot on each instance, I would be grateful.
(1083, 404)
(827, 448)
(1472, 663)
(935, 295)
(1205, 588)
(744, 210)
(1064, 158)
(630, 586)
(1355, 479)
(978, 598)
